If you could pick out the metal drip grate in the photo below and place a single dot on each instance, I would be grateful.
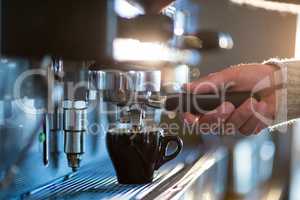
(97, 181)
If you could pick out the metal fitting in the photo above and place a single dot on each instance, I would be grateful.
(75, 126)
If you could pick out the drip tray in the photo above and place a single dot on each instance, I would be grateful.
(96, 182)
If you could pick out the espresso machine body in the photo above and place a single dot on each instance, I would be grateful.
(63, 86)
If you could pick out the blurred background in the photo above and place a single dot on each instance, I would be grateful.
(263, 166)
(259, 35)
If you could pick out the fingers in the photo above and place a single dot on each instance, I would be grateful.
(254, 124)
(267, 121)
(211, 119)
(221, 113)
(242, 114)
(190, 118)
(259, 127)
(247, 119)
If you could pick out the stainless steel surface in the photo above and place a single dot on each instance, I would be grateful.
(107, 80)
(64, 128)
(137, 81)
(192, 171)
(75, 127)
(124, 88)
(75, 115)
(74, 142)
(130, 91)
(144, 81)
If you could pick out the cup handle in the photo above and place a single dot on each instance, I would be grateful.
(165, 140)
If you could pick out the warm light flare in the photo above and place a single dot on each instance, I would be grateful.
(134, 50)
(126, 10)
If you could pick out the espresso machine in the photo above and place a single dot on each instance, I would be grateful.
(73, 69)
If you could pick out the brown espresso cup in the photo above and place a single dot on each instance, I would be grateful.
(137, 154)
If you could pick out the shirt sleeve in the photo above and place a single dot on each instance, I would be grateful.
(288, 97)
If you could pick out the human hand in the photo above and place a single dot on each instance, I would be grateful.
(252, 116)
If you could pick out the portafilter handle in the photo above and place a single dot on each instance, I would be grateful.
(200, 103)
